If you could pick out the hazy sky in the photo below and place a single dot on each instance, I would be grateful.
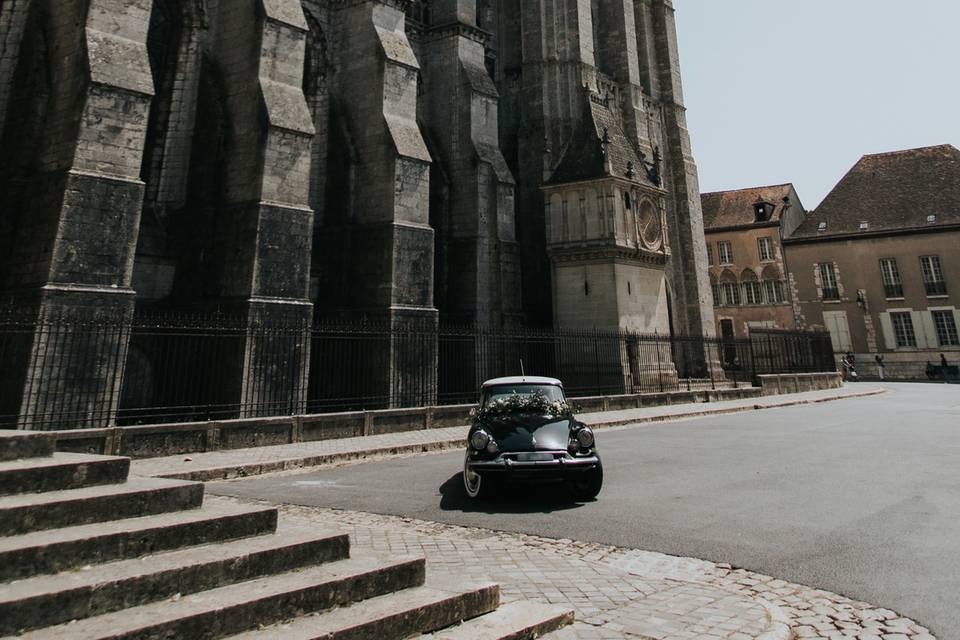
(797, 90)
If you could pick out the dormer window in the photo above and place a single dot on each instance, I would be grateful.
(864, 226)
(931, 219)
(763, 210)
(822, 227)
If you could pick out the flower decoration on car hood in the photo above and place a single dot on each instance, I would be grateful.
(530, 404)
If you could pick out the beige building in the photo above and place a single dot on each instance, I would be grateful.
(748, 269)
(878, 263)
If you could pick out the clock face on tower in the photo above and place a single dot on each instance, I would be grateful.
(649, 222)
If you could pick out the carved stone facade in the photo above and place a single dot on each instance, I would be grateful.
(280, 159)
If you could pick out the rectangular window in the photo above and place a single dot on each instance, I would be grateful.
(731, 294)
(765, 247)
(892, 284)
(774, 291)
(933, 276)
(725, 252)
(903, 329)
(828, 281)
(753, 292)
(946, 326)
(709, 254)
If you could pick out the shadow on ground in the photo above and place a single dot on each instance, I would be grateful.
(541, 497)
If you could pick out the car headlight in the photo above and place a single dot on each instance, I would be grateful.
(585, 438)
(479, 440)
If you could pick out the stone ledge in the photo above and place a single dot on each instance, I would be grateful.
(779, 384)
(158, 440)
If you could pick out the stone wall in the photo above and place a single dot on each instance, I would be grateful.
(173, 439)
(275, 158)
(776, 384)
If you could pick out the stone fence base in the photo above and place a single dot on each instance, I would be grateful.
(799, 382)
(194, 437)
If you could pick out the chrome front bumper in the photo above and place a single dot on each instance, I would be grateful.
(561, 463)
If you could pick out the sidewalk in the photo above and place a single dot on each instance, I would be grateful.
(238, 463)
(619, 594)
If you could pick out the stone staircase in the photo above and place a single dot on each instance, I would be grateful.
(88, 552)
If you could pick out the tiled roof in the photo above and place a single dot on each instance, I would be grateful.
(583, 158)
(736, 208)
(903, 190)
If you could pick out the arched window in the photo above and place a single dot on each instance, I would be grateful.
(752, 291)
(730, 289)
(419, 12)
(717, 292)
(773, 287)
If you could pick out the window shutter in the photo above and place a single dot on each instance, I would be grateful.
(888, 336)
(930, 329)
(923, 328)
(839, 328)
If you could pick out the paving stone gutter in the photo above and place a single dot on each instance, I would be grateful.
(239, 463)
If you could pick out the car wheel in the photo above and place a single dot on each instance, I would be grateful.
(587, 485)
(476, 486)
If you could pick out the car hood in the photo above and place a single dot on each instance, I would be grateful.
(530, 433)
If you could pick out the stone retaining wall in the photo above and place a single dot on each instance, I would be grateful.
(194, 437)
(799, 382)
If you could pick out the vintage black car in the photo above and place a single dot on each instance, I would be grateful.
(524, 430)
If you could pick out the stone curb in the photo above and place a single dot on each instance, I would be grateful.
(732, 410)
(245, 470)
(248, 469)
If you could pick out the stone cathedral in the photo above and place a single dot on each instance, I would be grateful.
(479, 161)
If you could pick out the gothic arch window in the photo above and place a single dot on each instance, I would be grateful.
(419, 12)
(29, 97)
(22, 136)
(773, 286)
(485, 17)
(752, 290)
(715, 289)
(174, 49)
(315, 74)
(730, 289)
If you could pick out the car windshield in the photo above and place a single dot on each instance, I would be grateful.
(551, 392)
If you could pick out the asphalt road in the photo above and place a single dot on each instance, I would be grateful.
(859, 497)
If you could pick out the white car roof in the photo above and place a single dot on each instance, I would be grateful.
(496, 382)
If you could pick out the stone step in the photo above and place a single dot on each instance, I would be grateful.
(137, 497)
(520, 620)
(394, 616)
(247, 605)
(62, 549)
(15, 445)
(60, 472)
(73, 595)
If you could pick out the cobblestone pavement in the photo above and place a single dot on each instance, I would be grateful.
(620, 593)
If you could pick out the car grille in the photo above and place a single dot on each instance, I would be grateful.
(535, 456)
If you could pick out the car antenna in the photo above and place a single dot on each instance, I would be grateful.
(522, 372)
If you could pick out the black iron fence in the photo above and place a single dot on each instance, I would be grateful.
(69, 373)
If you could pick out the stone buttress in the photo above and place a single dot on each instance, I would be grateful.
(478, 261)
(76, 107)
(375, 86)
(264, 227)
